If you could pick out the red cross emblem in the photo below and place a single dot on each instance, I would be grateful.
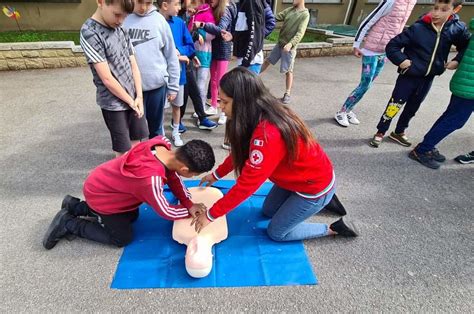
(256, 157)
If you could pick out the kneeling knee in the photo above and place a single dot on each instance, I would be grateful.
(275, 236)
(122, 240)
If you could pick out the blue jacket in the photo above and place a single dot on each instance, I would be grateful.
(183, 42)
(427, 49)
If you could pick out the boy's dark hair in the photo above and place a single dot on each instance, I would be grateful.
(197, 155)
(455, 3)
(127, 5)
(159, 3)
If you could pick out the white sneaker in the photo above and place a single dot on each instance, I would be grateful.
(351, 116)
(222, 119)
(341, 118)
(210, 111)
(195, 115)
(177, 141)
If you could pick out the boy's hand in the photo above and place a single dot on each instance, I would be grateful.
(207, 180)
(183, 59)
(287, 47)
(171, 97)
(196, 62)
(227, 36)
(357, 52)
(197, 210)
(452, 65)
(201, 40)
(139, 107)
(405, 64)
(200, 222)
(198, 24)
(177, 53)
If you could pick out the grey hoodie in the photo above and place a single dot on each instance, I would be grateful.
(154, 50)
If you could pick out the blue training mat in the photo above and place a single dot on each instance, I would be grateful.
(246, 258)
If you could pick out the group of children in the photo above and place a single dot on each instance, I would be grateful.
(421, 53)
(140, 67)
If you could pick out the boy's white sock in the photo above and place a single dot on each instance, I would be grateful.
(175, 129)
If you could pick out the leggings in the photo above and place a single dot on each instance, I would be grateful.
(371, 67)
(218, 69)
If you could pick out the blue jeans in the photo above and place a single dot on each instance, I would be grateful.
(371, 68)
(288, 211)
(455, 117)
(154, 103)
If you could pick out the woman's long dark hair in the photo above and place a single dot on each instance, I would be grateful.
(251, 103)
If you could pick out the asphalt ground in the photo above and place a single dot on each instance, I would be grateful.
(415, 249)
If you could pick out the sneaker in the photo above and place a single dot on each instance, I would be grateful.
(400, 138)
(210, 111)
(57, 229)
(465, 159)
(438, 156)
(222, 119)
(351, 116)
(226, 146)
(341, 118)
(286, 98)
(342, 229)
(335, 206)
(177, 141)
(376, 140)
(68, 203)
(206, 124)
(194, 115)
(425, 159)
(181, 128)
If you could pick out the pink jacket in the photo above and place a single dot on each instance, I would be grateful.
(385, 22)
(203, 14)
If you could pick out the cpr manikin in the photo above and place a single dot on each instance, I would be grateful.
(198, 258)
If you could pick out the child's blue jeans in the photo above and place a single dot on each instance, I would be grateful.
(154, 104)
(288, 211)
(455, 117)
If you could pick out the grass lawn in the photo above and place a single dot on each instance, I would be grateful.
(307, 38)
(31, 36)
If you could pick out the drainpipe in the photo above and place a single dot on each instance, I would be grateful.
(350, 12)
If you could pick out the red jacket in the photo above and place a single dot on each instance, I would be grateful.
(123, 183)
(310, 175)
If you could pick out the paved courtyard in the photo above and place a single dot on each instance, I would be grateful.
(416, 224)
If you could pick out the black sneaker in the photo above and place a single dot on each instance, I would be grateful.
(69, 202)
(425, 159)
(342, 229)
(438, 156)
(400, 138)
(335, 206)
(57, 229)
(465, 159)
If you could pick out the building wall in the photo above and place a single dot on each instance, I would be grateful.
(48, 16)
(70, 16)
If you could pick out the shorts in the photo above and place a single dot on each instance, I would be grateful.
(179, 100)
(287, 58)
(124, 127)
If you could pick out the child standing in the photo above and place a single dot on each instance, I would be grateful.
(203, 46)
(115, 72)
(185, 50)
(295, 20)
(421, 52)
(381, 25)
(157, 60)
(456, 115)
(114, 190)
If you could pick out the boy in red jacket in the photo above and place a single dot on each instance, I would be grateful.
(114, 191)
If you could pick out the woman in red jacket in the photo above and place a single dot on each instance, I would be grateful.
(269, 141)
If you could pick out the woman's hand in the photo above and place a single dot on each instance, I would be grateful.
(452, 65)
(200, 222)
(208, 180)
(197, 210)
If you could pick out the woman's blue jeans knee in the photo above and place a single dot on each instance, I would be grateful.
(288, 211)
